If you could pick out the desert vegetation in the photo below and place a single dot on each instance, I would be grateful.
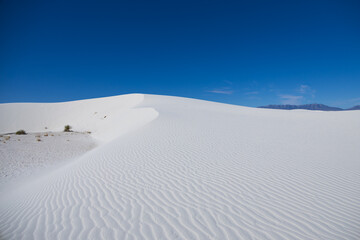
(21, 132)
(67, 128)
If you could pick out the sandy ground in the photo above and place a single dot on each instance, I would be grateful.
(178, 168)
(26, 155)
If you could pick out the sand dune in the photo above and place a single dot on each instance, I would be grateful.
(177, 168)
(106, 118)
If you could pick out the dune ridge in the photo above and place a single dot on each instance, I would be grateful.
(192, 169)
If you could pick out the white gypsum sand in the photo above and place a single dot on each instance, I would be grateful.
(177, 168)
(31, 154)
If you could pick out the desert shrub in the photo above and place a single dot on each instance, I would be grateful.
(67, 128)
(21, 132)
(46, 134)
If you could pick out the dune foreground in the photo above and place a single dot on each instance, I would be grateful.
(178, 168)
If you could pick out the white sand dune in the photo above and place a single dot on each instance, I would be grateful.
(106, 118)
(177, 168)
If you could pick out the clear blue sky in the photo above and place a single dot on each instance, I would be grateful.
(241, 52)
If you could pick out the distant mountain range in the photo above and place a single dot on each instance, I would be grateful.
(314, 106)
(357, 107)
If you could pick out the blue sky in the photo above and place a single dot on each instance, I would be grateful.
(248, 53)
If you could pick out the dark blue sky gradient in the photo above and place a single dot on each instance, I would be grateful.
(241, 52)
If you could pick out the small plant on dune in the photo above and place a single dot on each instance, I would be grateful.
(67, 128)
(21, 132)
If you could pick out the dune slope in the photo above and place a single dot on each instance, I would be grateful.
(106, 118)
(192, 169)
